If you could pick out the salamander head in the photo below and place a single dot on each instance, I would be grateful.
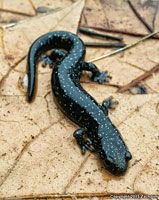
(113, 152)
(115, 165)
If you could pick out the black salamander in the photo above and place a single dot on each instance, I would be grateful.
(92, 118)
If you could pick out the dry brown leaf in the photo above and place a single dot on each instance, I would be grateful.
(38, 155)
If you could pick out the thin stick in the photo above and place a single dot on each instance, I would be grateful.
(124, 48)
(89, 32)
(139, 79)
(106, 45)
(16, 12)
(139, 17)
(112, 30)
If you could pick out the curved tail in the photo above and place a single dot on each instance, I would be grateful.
(59, 40)
(33, 55)
(31, 77)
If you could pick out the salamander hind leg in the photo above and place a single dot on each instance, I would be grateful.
(53, 58)
(96, 75)
(109, 103)
(82, 142)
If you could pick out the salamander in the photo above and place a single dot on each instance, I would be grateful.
(97, 132)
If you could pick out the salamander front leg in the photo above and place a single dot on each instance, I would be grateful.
(83, 143)
(53, 58)
(109, 103)
(96, 75)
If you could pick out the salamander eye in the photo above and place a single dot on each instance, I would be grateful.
(128, 156)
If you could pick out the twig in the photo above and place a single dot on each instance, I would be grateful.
(139, 79)
(124, 48)
(155, 14)
(139, 17)
(89, 32)
(112, 30)
(84, 17)
(95, 44)
(16, 12)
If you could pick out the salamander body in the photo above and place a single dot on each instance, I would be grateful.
(92, 118)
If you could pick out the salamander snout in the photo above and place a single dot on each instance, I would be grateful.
(128, 156)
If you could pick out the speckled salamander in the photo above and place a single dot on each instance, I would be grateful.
(75, 102)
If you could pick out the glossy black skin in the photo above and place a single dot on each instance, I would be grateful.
(76, 103)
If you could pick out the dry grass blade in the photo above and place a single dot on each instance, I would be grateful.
(124, 48)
